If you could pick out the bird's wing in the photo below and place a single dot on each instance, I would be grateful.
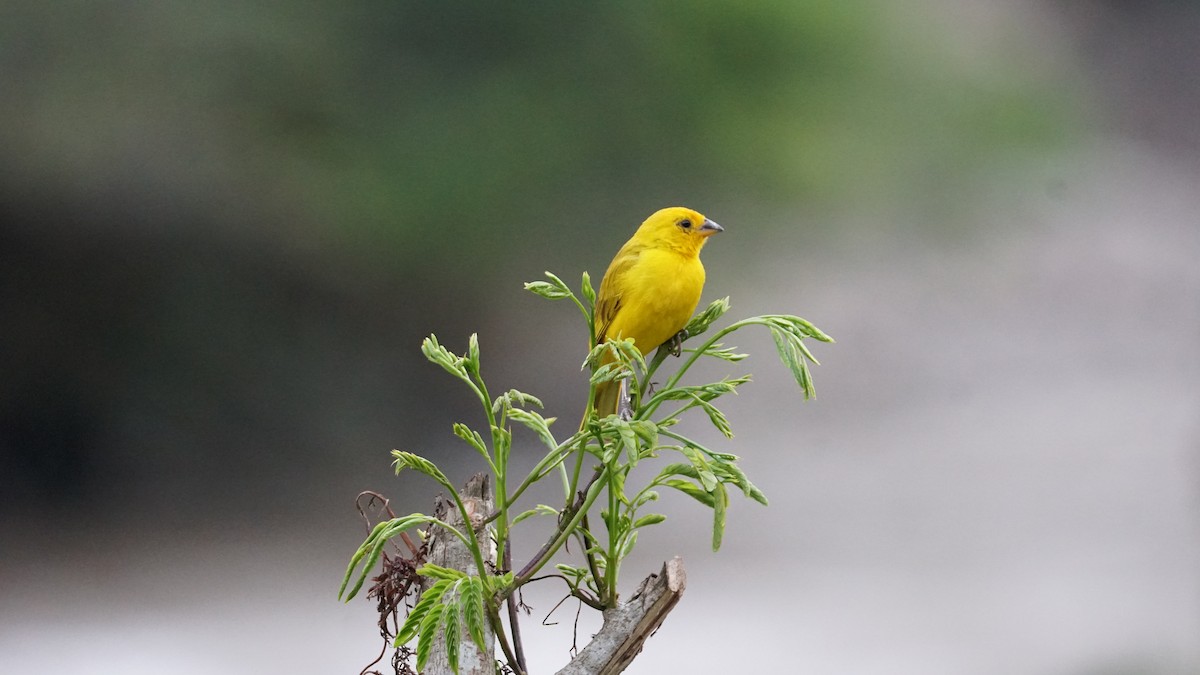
(608, 301)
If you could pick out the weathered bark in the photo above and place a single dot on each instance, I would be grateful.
(446, 550)
(625, 630)
(627, 627)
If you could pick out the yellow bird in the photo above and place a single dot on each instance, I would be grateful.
(652, 286)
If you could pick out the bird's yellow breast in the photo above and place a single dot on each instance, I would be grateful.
(658, 294)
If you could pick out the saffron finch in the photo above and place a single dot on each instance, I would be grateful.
(651, 287)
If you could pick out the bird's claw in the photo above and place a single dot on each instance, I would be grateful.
(675, 344)
(624, 404)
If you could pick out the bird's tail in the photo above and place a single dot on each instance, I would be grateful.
(607, 394)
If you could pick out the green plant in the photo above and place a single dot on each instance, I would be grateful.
(612, 448)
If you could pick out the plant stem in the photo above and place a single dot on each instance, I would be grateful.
(498, 629)
(674, 379)
(613, 563)
(575, 513)
(500, 468)
(591, 559)
(513, 618)
(537, 473)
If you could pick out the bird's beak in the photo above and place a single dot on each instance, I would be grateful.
(709, 228)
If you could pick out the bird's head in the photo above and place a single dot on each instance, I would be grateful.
(678, 228)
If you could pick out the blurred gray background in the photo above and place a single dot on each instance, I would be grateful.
(225, 228)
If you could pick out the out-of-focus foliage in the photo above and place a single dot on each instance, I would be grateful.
(388, 129)
(224, 224)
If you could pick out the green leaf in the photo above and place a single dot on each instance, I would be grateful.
(720, 501)
(627, 351)
(443, 357)
(617, 485)
(589, 293)
(452, 634)
(628, 439)
(415, 618)
(470, 436)
(571, 571)
(804, 350)
(690, 489)
(649, 519)
(715, 416)
(679, 469)
(470, 604)
(372, 548)
(701, 322)
(547, 290)
(472, 361)
(420, 464)
(596, 356)
(754, 493)
(514, 398)
(610, 447)
(646, 430)
(804, 327)
(608, 372)
(502, 441)
(442, 573)
(787, 354)
(500, 582)
(533, 420)
(428, 630)
(627, 545)
(645, 497)
(719, 351)
(554, 289)
(540, 509)
(739, 478)
(806, 382)
(705, 392)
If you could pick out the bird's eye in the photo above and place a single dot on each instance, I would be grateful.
(685, 224)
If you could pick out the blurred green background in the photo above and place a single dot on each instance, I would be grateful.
(225, 228)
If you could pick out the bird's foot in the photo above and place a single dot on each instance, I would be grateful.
(675, 344)
(624, 404)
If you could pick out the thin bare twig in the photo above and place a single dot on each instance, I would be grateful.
(513, 619)
(563, 520)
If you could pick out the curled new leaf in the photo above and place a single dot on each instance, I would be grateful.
(443, 357)
(540, 425)
(720, 500)
(513, 398)
(441, 573)
(649, 519)
(470, 436)
(472, 360)
(724, 353)
(554, 289)
(608, 372)
(589, 293)
(539, 510)
(546, 290)
(416, 462)
(703, 320)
